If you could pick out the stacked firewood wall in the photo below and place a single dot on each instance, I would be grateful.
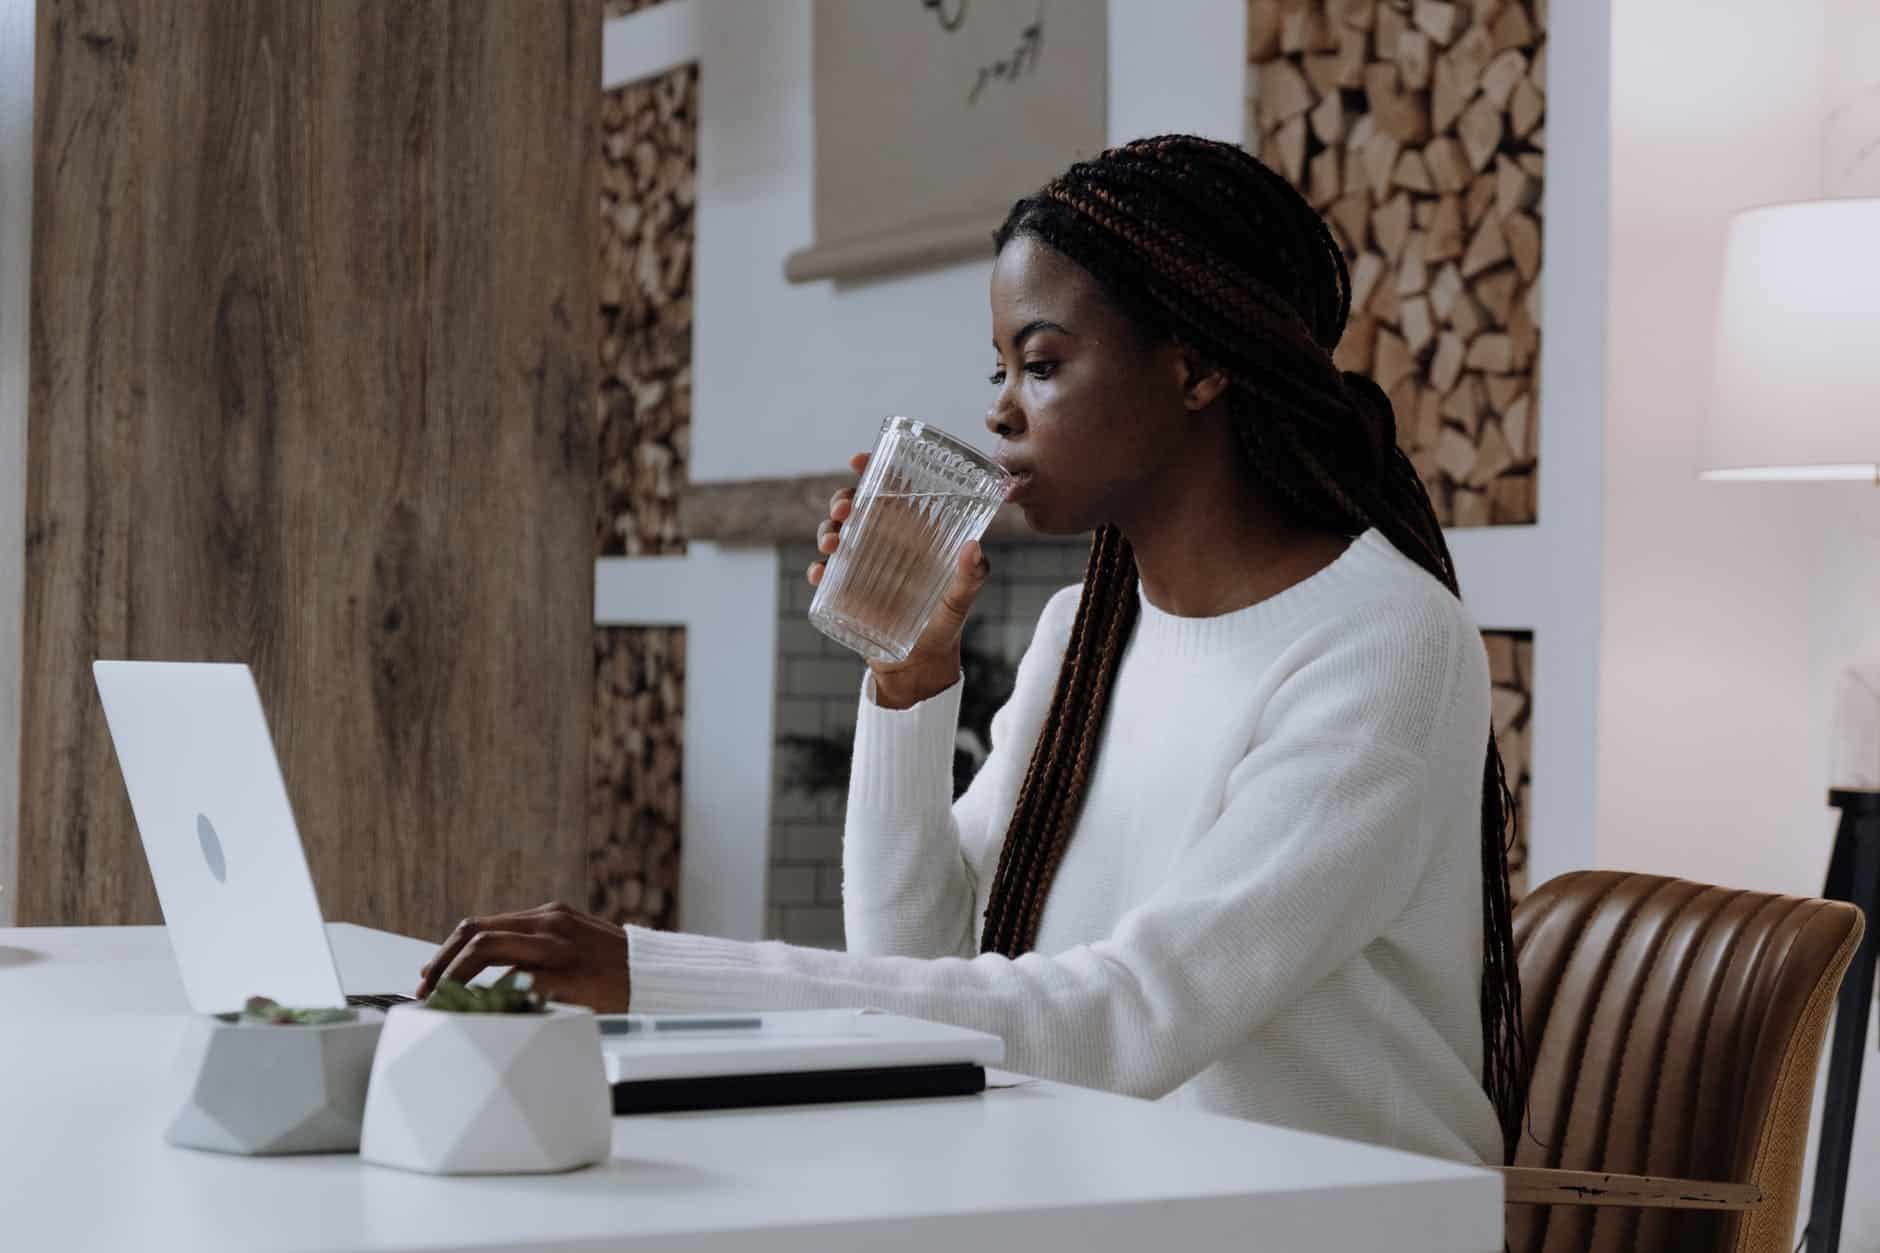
(649, 166)
(1417, 127)
(649, 171)
(1511, 670)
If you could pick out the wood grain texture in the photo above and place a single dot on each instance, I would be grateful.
(1539, 1185)
(312, 376)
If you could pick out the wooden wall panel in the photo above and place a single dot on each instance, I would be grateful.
(312, 376)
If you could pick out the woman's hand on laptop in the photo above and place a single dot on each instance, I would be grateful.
(571, 956)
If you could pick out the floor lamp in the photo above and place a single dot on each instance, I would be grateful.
(1795, 395)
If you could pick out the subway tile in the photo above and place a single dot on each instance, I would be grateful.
(1037, 561)
(991, 600)
(1017, 639)
(819, 842)
(838, 716)
(793, 804)
(799, 716)
(797, 638)
(793, 885)
(816, 925)
(825, 677)
(1027, 609)
(829, 885)
(796, 557)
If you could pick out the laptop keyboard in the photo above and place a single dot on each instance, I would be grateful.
(383, 1000)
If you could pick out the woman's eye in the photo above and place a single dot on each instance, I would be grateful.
(1041, 369)
(996, 378)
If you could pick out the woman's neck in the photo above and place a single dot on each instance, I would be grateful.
(1214, 540)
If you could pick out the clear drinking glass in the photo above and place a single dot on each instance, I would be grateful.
(923, 496)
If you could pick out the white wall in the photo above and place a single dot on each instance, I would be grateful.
(1728, 605)
(792, 379)
(16, 203)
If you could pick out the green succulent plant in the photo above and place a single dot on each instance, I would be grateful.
(511, 994)
(262, 1011)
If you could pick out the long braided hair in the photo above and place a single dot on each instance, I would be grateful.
(1198, 242)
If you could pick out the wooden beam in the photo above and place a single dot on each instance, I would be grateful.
(766, 512)
(1534, 1185)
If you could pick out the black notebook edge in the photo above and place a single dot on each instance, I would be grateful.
(810, 1087)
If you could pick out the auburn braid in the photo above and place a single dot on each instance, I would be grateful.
(1198, 242)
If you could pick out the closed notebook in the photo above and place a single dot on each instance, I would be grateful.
(640, 1049)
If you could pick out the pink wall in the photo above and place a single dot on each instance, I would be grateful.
(1727, 608)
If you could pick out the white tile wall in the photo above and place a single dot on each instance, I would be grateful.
(818, 683)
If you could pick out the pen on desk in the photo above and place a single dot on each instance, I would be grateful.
(633, 1025)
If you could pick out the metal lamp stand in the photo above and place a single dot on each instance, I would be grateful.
(1853, 875)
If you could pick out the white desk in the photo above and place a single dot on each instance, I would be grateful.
(89, 1020)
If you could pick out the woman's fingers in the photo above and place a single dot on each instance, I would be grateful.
(465, 932)
(829, 533)
(453, 944)
(525, 951)
(969, 575)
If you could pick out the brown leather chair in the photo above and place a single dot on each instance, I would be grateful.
(1673, 1033)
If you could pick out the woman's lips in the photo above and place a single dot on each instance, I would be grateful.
(1020, 486)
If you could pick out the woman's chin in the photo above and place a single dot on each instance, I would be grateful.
(1040, 518)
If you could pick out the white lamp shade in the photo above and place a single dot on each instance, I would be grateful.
(1795, 388)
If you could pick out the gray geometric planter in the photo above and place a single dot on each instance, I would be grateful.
(275, 1089)
(479, 1094)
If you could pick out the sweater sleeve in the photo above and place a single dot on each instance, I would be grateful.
(1322, 838)
(914, 860)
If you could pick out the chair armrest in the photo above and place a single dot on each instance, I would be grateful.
(1538, 1185)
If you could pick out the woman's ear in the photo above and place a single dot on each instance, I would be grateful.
(1202, 384)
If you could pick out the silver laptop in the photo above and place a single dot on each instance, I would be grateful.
(212, 809)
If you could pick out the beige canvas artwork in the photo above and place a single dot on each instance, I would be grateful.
(933, 117)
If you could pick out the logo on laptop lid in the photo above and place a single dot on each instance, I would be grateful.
(211, 848)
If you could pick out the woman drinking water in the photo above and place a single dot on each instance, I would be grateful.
(1240, 839)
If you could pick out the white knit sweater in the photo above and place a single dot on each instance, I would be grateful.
(1271, 903)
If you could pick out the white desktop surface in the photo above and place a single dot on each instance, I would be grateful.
(90, 1018)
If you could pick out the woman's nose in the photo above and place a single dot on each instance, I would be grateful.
(1004, 420)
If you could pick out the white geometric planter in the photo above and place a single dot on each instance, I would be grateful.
(274, 1089)
(472, 1094)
